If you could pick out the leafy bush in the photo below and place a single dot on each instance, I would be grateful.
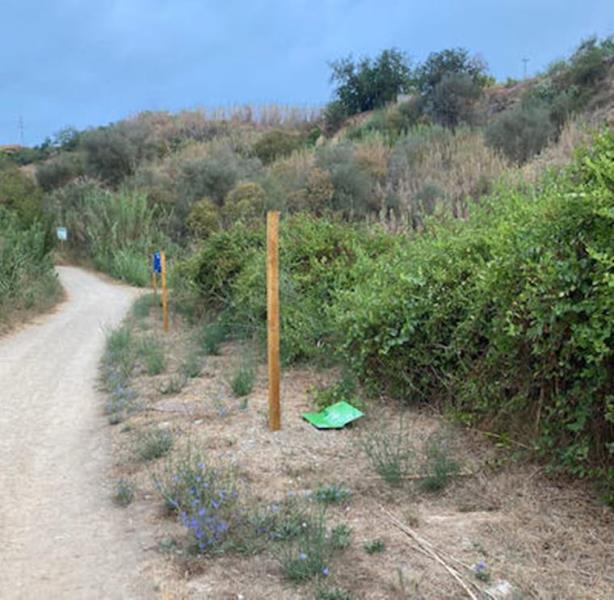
(316, 257)
(352, 186)
(27, 278)
(521, 133)
(113, 152)
(276, 143)
(20, 195)
(245, 202)
(60, 170)
(346, 389)
(220, 260)
(504, 316)
(203, 219)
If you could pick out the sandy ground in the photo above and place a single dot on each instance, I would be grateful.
(60, 535)
(550, 539)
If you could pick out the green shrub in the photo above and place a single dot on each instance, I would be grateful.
(244, 202)
(212, 336)
(21, 196)
(60, 170)
(505, 316)
(112, 152)
(335, 115)
(124, 493)
(27, 278)
(374, 546)
(243, 377)
(331, 494)
(142, 307)
(151, 351)
(308, 555)
(120, 349)
(346, 389)
(154, 443)
(389, 451)
(213, 176)
(203, 219)
(192, 365)
(439, 465)
(353, 194)
(332, 594)
(522, 132)
(275, 144)
(221, 258)
(316, 258)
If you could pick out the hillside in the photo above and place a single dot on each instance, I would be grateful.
(447, 265)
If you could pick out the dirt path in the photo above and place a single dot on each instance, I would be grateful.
(60, 535)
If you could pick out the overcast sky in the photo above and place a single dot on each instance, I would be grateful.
(89, 62)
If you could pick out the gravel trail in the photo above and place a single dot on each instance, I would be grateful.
(60, 535)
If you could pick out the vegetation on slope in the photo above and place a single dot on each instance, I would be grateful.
(27, 280)
(410, 249)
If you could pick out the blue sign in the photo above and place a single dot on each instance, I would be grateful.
(62, 233)
(157, 263)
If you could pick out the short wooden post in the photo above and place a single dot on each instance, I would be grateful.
(154, 285)
(164, 291)
(273, 317)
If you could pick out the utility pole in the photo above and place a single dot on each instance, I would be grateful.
(524, 62)
(21, 136)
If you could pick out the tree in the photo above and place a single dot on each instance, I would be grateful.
(453, 99)
(369, 84)
(450, 82)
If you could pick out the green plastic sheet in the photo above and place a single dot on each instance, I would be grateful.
(335, 416)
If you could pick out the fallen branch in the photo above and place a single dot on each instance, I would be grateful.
(420, 477)
(427, 548)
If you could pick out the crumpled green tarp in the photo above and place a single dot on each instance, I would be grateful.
(335, 416)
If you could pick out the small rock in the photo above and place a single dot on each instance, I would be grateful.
(504, 590)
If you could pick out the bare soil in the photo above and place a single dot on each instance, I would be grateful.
(547, 538)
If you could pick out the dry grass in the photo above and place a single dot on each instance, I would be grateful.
(550, 539)
(575, 134)
(460, 166)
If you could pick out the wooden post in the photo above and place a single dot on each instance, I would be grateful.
(154, 285)
(164, 291)
(273, 317)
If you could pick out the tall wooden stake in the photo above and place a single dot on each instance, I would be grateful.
(154, 285)
(272, 271)
(164, 291)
